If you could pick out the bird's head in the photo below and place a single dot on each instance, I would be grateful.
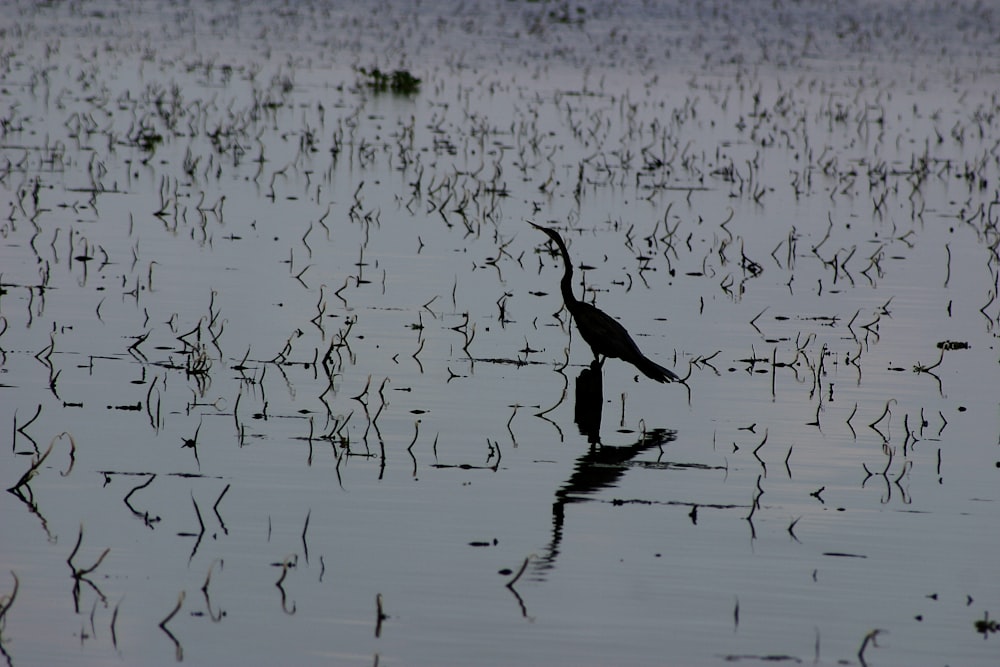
(551, 233)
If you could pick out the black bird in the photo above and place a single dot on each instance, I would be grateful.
(606, 337)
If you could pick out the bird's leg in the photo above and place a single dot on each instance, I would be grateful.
(599, 361)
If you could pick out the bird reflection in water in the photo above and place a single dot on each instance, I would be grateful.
(601, 467)
(589, 402)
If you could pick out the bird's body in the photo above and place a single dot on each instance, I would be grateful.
(605, 335)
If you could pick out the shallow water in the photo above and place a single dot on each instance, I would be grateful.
(296, 349)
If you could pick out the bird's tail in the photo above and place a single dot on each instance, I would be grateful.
(654, 371)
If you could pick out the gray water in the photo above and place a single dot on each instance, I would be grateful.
(292, 373)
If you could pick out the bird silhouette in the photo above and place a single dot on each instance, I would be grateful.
(605, 335)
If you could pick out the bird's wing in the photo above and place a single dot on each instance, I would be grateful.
(605, 334)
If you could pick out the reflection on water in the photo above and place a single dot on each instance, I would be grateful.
(600, 468)
(589, 404)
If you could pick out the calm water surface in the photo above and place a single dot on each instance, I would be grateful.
(283, 353)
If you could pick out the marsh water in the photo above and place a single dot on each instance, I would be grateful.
(286, 378)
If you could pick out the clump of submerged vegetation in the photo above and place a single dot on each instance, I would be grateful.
(400, 81)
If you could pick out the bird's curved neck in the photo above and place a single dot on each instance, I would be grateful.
(566, 284)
